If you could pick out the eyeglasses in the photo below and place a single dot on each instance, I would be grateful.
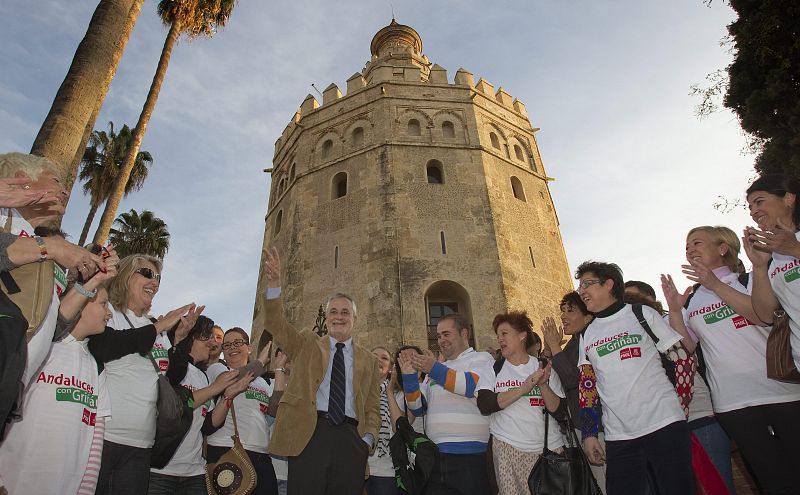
(148, 274)
(233, 345)
(585, 284)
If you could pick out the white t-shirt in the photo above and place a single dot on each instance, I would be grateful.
(39, 345)
(521, 424)
(784, 275)
(188, 459)
(734, 351)
(635, 393)
(251, 409)
(48, 450)
(453, 418)
(132, 384)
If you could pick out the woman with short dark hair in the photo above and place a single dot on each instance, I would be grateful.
(515, 392)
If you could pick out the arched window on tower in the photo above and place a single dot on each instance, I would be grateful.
(339, 184)
(518, 152)
(443, 298)
(414, 128)
(434, 172)
(358, 137)
(516, 187)
(327, 146)
(291, 172)
(278, 222)
(495, 140)
(448, 130)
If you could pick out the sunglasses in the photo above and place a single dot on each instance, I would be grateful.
(233, 345)
(148, 274)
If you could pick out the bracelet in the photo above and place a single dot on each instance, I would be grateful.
(42, 248)
(282, 370)
(84, 291)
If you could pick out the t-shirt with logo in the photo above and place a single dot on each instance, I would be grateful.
(188, 459)
(39, 345)
(635, 393)
(132, 384)
(521, 424)
(784, 276)
(734, 350)
(251, 410)
(47, 452)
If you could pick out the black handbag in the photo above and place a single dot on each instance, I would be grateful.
(562, 474)
(173, 420)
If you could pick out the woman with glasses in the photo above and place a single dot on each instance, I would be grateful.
(252, 412)
(131, 380)
(185, 472)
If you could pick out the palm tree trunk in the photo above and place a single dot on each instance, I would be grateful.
(87, 225)
(86, 84)
(117, 191)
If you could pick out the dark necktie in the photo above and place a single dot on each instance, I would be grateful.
(337, 392)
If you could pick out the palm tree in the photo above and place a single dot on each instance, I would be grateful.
(101, 162)
(67, 127)
(140, 234)
(193, 18)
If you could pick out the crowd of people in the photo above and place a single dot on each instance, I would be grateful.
(646, 391)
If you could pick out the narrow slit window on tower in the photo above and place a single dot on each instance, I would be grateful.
(278, 222)
(444, 244)
(533, 260)
(291, 172)
(414, 128)
(336, 257)
(516, 187)
(433, 171)
(327, 146)
(448, 130)
(358, 136)
(339, 185)
(495, 140)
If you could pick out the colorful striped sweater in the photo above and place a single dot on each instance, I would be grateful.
(446, 398)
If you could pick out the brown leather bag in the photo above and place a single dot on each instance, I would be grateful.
(233, 474)
(31, 289)
(780, 364)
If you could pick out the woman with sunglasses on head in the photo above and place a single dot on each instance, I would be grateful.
(131, 380)
(254, 413)
(758, 413)
(185, 472)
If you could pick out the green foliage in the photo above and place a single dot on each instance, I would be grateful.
(764, 80)
(142, 234)
(102, 159)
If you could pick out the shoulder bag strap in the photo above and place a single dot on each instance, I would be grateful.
(149, 355)
(233, 416)
(637, 310)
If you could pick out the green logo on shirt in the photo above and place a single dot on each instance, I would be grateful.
(792, 274)
(158, 353)
(255, 394)
(618, 344)
(720, 314)
(70, 394)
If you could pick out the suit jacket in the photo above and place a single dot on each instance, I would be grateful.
(309, 353)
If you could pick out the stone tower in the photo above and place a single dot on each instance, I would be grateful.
(418, 196)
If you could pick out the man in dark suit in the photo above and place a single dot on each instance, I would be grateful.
(329, 416)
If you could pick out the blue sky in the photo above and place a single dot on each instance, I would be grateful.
(607, 83)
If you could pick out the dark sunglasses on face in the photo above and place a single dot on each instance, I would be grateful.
(233, 345)
(148, 274)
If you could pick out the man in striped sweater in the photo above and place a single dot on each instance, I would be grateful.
(446, 398)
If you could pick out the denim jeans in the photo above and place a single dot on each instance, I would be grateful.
(382, 485)
(718, 447)
(164, 484)
(124, 470)
(459, 474)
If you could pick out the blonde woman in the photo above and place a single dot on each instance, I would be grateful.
(720, 316)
